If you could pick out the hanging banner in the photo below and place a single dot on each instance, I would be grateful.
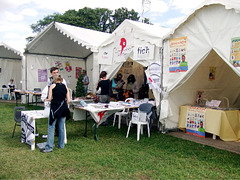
(153, 74)
(42, 75)
(177, 55)
(143, 51)
(105, 55)
(235, 52)
(122, 47)
(195, 121)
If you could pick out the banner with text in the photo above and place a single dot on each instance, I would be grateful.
(122, 47)
(143, 51)
(105, 55)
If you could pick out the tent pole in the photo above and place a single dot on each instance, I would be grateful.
(161, 126)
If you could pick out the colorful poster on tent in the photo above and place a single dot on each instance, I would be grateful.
(105, 55)
(68, 67)
(78, 71)
(177, 56)
(59, 65)
(42, 75)
(195, 121)
(143, 51)
(235, 52)
(212, 73)
(122, 47)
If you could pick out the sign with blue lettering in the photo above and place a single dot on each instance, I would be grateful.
(143, 52)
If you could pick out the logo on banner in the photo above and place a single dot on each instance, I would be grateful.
(143, 50)
(122, 47)
(101, 114)
(123, 43)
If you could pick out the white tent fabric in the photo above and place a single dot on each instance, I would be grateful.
(209, 30)
(65, 45)
(142, 34)
(10, 65)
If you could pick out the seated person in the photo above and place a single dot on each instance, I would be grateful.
(11, 85)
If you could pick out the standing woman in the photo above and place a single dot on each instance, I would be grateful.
(59, 97)
(104, 84)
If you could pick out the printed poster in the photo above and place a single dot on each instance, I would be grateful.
(78, 71)
(42, 75)
(195, 121)
(235, 52)
(212, 73)
(177, 56)
(59, 65)
(68, 67)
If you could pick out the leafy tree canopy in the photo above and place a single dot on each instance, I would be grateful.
(100, 19)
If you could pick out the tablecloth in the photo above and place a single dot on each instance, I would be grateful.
(223, 123)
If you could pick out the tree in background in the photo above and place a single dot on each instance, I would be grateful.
(99, 19)
(80, 92)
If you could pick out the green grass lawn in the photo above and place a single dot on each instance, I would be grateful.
(113, 157)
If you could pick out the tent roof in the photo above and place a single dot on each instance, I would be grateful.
(8, 52)
(150, 33)
(229, 4)
(66, 40)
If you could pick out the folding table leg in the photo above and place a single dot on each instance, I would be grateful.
(95, 133)
(85, 134)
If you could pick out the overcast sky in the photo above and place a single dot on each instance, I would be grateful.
(16, 16)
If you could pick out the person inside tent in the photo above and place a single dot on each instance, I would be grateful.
(11, 85)
(117, 87)
(85, 81)
(131, 88)
(104, 84)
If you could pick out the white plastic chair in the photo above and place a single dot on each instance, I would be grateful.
(124, 113)
(143, 118)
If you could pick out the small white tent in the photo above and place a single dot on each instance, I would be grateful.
(10, 65)
(132, 40)
(206, 39)
(68, 47)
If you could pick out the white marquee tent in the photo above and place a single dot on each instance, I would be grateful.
(207, 38)
(10, 65)
(68, 47)
(131, 40)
